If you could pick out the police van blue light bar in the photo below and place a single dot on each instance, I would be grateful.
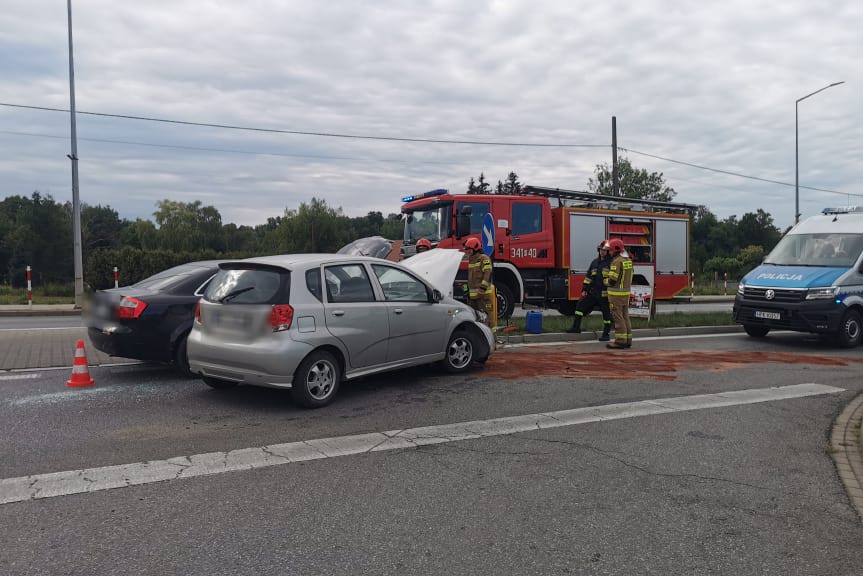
(437, 192)
(842, 210)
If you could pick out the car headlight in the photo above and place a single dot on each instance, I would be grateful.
(741, 288)
(821, 293)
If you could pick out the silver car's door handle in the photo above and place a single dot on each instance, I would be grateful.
(338, 312)
(398, 310)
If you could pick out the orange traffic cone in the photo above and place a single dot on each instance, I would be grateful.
(80, 372)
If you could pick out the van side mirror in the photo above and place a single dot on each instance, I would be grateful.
(462, 225)
(436, 296)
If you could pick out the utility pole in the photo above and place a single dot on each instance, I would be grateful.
(76, 206)
(615, 184)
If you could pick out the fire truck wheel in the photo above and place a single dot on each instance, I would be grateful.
(505, 301)
(756, 331)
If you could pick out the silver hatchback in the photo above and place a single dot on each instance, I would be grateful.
(309, 321)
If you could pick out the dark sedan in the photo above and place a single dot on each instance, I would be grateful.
(150, 320)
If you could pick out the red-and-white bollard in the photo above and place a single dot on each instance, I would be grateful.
(725, 283)
(29, 289)
(116, 278)
(692, 284)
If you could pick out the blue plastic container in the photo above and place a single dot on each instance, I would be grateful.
(533, 321)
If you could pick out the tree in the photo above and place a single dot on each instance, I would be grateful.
(140, 234)
(757, 229)
(480, 186)
(512, 185)
(101, 227)
(240, 239)
(393, 227)
(633, 182)
(313, 227)
(189, 226)
(368, 225)
(37, 232)
(750, 257)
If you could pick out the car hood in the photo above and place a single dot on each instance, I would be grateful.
(438, 267)
(793, 276)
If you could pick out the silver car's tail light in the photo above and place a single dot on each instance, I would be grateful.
(198, 312)
(281, 317)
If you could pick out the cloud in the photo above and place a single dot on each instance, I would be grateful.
(712, 84)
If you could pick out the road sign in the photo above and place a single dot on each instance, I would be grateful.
(488, 234)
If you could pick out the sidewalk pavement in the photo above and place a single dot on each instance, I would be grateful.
(39, 310)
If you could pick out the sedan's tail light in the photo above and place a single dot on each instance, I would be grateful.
(281, 317)
(198, 312)
(131, 307)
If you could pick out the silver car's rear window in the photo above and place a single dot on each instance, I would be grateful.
(249, 285)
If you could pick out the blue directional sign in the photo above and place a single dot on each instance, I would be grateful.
(488, 234)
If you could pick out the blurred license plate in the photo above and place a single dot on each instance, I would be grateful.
(767, 315)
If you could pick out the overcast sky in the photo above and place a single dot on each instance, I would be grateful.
(712, 84)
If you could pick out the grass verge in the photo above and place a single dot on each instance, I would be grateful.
(594, 321)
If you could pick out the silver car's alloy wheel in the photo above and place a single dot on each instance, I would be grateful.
(460, 352)
(321, 379)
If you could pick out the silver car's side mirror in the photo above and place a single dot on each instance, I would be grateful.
(436, 296)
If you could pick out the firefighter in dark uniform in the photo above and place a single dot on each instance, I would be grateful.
(618, 284)
(594, 294)
(479, 279)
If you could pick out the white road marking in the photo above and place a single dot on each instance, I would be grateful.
(94, 479)
(20, 376)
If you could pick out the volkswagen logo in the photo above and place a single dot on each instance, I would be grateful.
(770, 294)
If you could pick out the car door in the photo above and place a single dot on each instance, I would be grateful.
(417, 325)
(354, 316)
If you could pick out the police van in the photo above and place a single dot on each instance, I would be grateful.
(812, 281)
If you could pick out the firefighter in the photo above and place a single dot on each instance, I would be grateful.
(594, 293)
(423, 245)
(618, 284)
(479, 279)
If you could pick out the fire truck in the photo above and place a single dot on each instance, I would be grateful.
(545, 239)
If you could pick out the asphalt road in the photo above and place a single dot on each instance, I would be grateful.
(629, 483)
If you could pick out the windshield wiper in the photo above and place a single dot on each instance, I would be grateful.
(233, 293)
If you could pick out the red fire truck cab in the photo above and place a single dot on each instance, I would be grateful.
(541, 252)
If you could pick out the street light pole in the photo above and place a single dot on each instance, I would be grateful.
(796, 150)
(76, 206)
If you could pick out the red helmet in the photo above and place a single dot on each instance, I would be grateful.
(616, 245)
(423, 244)
(472, 244)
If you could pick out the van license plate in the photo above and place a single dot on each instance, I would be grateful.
(767, 315)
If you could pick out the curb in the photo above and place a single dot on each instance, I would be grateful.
(847, 451)
(26, 312)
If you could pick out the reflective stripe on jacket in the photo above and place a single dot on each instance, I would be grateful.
(595, 279)
(620, 276)
(478, 274)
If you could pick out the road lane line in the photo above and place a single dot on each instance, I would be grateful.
(87, 480)
(20, 376)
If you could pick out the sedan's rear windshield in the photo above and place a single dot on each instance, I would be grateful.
(252, 285)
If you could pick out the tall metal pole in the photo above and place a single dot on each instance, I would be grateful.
(76, 206)
(796, 167)
(615, 183)
(796, 153)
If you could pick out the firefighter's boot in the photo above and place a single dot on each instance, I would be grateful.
(606, 328)
(576, 325)
(628, 343)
